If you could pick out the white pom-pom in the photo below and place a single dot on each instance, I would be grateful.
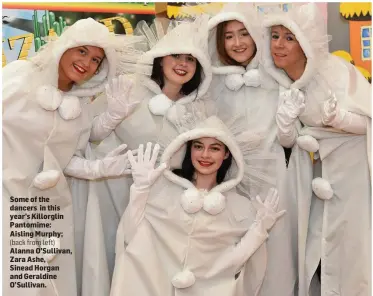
(191, 200)
(46, 179)
(214, 203)
(234, 81)
(70, 108)
(252, 78)
(53, 242)
(322, 188)
(159, 104)
(48, 97)
(308, 143)
(183, 279)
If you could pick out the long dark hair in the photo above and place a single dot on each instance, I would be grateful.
(187, 88)
(187, 168)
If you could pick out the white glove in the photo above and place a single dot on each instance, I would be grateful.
(293, 104)
(119, 107)
(113, 164)
(235, 257)
(341, 119)
(267, 213)
(143, 172)
(144, 175)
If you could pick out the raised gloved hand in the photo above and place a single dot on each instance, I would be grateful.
(341, 119)
(143, 172)
(236, 256)
(267, 213)
(119, 100)
(293, 104)
(113, 164)
(120, 105)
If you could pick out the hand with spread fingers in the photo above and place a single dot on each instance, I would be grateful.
(143, 172)
(118, 92)
(267, 213)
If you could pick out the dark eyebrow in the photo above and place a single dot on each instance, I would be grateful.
(196, 141)
(243, 29)
(98, 57)
(218, 144)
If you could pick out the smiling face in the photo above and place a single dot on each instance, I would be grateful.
(207, 155)
(238, 43)
(178, 69)
(80, 63)
(286, 51)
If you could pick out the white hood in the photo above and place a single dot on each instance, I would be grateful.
(242, 12)
(83, 32)
(186, 38)
(309, 27)
(211, 127)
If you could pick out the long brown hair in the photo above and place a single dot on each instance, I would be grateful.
(220, 46)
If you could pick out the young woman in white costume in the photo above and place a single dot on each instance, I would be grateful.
(333, 101)
(176, 71)
(241, 86)
(187, 231)
(46, 126)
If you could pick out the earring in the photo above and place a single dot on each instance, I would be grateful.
(97, 72)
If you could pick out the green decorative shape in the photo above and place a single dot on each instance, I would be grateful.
(38, 43)
(57, 28)
(52, 18)
(45, 25)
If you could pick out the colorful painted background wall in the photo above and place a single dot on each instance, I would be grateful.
(25, 25)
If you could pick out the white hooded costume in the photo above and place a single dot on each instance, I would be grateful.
(336, 225)
(107, 199)
(43, 130)
(175, 239)
(250, 92)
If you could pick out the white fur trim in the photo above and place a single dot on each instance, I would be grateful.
(70, 108)
(214, 203)
(308, 143)
(46, 179)
(56, 244)
(322, 188)
(159, 104)
(183, 279)
(150, 84)
(192, 200)
(48, 97)
(225, 70)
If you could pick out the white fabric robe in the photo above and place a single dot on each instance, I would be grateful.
(108, 198)
(168, 239)
(259, 105)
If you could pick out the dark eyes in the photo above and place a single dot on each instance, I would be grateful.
(288, 38)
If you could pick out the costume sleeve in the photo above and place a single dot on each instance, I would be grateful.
(235, 257)
(132, 217)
